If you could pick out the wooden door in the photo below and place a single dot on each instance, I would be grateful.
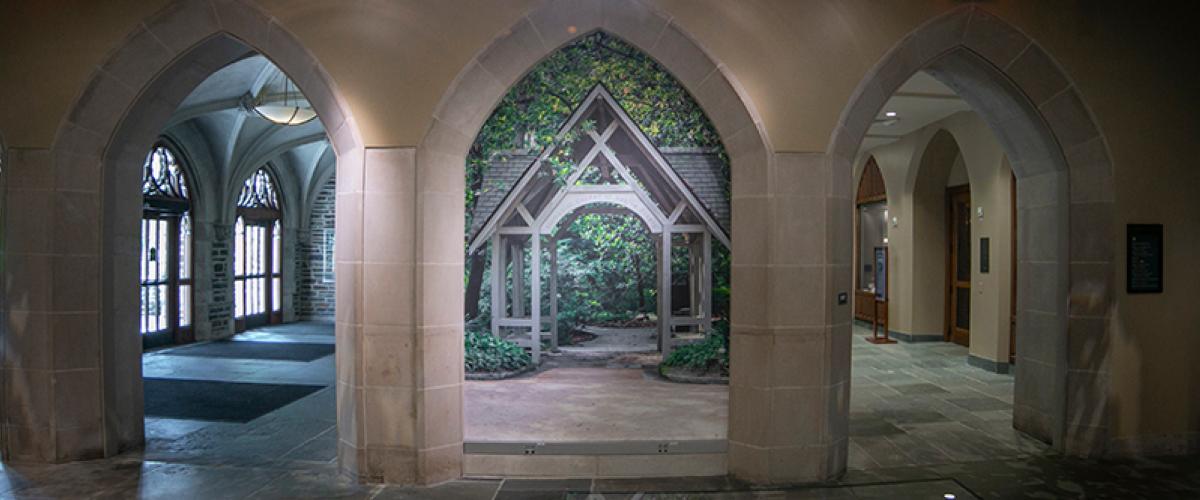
(958, 265)
(1012, 318)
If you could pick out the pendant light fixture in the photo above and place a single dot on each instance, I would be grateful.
(280, 101)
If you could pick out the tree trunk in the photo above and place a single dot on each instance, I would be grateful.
(475, 284)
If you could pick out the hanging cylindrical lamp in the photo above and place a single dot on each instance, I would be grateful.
(280, 101)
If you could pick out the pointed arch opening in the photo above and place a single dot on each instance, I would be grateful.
(616, 137)
(1053, 147)
(101, 148)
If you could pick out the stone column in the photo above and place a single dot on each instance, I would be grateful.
(52, 409)
(439, 320)
(202, 277)
(290, 278)
(399, 325)
(220, 276)
(789, 386)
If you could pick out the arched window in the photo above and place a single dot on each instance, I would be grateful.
(166, 255)
(258, 254)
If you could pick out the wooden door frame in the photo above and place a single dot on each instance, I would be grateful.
(951, 261)
(1012, 308)
(172, 213)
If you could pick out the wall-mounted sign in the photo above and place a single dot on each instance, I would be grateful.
(985, 255)
(1144, 258)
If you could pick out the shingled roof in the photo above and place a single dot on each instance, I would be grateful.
(699, 168)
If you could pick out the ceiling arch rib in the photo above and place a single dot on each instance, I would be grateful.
(241, 142)
(247, 163)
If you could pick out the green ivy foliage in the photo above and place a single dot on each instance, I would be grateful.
(710, 356)
(606, 271)
(486, 353)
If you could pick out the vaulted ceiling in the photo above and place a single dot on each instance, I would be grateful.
(236, 141)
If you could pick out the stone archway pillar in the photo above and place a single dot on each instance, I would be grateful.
(399, 319)
(790, 346)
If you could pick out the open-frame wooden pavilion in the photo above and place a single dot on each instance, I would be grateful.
(613, 168)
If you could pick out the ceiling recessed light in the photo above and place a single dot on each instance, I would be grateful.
(890, 114)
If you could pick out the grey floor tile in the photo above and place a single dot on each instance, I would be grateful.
(919, 388)
(314, 484)
(980, 404)
(915, 490)
(882, 451)
(453, 490)
(871, 425)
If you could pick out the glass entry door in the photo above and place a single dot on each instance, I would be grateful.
(257, 273)
(166, 281)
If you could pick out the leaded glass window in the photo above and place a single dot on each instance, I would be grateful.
(258, 253)
(162, 176)
(259, 192)
(166, 250)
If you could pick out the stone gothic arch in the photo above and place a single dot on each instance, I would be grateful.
(1065, 207)
(441, 154)
(96, 156)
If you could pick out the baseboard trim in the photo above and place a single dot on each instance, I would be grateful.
(989, 365)
(905, 337)
(916, 337)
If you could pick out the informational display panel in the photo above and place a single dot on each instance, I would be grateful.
(985, 255)
(1144, 258)
(881, 273)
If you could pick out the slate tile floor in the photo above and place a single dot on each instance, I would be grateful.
(1024, 477)
(298, 435)
(922, 404)
(923, 424)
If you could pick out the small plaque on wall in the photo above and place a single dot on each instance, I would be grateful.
(1144, 258)
(985, 255)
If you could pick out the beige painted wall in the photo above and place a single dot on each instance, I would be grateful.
(917, 170)
(797, 62)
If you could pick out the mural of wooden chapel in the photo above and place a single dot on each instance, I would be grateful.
(613, 168)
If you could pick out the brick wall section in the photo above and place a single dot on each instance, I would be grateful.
(314, 258)
(220, 312)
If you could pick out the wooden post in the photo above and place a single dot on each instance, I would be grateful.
(664, 295)
(706, 278)
(497, 283)
(517, 254)
(695, 266)
(554, 292)
(535, 295)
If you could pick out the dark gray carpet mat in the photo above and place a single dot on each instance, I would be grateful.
(218, 401)
(244, 349)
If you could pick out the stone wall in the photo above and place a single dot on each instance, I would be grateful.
(220, 312)
(314, 258)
